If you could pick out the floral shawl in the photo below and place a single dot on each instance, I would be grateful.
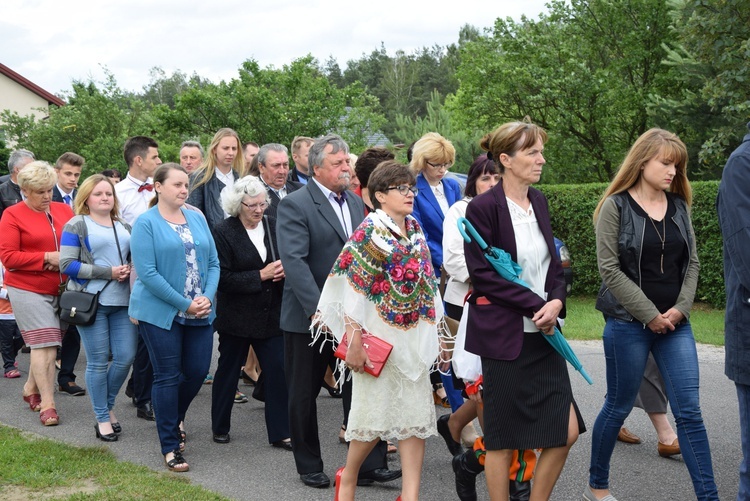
(384, 282)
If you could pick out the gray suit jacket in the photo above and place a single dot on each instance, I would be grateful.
(310, 238)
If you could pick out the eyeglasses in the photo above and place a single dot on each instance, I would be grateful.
(404, 189)
(253, 207)
(445, 166)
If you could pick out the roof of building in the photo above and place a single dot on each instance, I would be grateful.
(25, 82)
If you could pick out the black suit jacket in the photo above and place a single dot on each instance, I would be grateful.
(58, 197)
(290, 186)
(246, 306)
(310, 239)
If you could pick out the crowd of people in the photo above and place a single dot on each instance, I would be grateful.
(288, 265)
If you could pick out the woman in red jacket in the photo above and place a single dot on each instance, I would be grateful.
(30, 250)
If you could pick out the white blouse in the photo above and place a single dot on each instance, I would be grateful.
(257, 235)
(533, 255)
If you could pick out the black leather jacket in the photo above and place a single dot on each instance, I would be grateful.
(207, 198)
(630, 244)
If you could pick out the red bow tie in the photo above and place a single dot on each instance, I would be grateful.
(146, 186)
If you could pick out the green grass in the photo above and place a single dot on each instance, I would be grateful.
(32, 468)
(585, 322)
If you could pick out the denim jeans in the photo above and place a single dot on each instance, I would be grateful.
(181, 357)
(626, 348)
(111, 331)
(743, 395)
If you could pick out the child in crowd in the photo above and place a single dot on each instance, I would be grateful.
(10, 336)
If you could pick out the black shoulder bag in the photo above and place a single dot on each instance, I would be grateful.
(80, 307)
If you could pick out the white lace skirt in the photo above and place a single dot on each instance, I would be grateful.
(391, 407)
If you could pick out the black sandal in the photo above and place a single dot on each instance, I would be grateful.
(177, 463)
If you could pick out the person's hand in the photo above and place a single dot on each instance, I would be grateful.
(121, 273)
(674, 315)
(546, 317)
(660, 324)
(133, 321)
(356, 356)
(272, 271)
(51, 261)
(476, 397)
(199, 307)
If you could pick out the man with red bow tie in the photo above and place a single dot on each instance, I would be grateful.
(134, 194)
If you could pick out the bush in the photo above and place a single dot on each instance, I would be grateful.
(572, 207)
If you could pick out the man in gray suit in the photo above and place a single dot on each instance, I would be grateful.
(314, 223)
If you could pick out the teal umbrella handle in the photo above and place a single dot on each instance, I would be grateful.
(470, 233)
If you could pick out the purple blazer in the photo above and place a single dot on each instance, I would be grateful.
(495, 330)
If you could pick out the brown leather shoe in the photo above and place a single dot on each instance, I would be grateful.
(666, 450)
(626, 436)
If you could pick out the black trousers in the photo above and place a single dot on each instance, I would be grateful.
(142, 378)
(232, 355)
(305, 368)
(69, 351)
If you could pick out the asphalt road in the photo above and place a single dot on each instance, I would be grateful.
(248, 468)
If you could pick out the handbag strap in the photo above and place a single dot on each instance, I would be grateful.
(117, 241)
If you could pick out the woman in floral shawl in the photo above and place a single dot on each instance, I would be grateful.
(383, 284)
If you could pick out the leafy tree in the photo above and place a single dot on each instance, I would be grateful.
(710, 95)
(95, 124)
(274, 105)
(163, 89)
(583, 71)
(439, 120)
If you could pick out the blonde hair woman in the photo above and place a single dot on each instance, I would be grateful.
(30, 250)
(94, 253)
(223, 165)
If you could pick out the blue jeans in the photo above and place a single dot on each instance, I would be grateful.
(181, 357)
(111, 331)
(743, 395)
(626, 348)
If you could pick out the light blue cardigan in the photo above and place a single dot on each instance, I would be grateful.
(159, 260)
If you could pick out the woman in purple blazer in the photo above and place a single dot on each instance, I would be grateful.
(527, 395)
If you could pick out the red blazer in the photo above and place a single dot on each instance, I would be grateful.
(495, 330)
(25, 235)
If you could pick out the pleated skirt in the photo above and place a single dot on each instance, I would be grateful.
(527, 400)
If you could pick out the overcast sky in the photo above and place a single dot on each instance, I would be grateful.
(53, 42)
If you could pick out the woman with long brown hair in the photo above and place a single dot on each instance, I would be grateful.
(645, 249)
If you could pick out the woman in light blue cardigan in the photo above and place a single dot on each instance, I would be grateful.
(178, 272)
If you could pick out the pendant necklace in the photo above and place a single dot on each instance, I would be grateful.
(661, 237)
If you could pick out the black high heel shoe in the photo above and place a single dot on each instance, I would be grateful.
(116, 428)
(334, 392)
(109, 437)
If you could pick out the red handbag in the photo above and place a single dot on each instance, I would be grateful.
(377, 350)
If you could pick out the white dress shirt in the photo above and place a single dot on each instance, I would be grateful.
(132, 202)
(342, 211)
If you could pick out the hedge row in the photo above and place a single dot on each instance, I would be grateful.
(572, 207)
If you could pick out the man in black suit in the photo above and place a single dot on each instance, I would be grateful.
(273, 163)
(10, 192)
(300, 151)
(313, 224)
(68, 168)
